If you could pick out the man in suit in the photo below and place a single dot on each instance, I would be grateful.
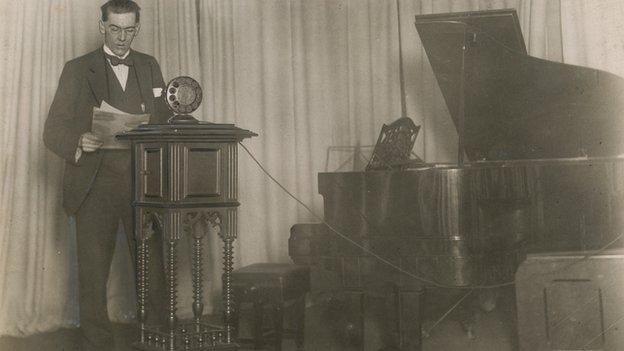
(96, 183)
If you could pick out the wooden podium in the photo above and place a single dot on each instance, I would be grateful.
(185, 185)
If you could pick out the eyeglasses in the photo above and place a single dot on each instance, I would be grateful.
(131, 31)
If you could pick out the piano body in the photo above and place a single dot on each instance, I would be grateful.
(542, 141)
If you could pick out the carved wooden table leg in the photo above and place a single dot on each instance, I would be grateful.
(198, 305)
(172, 292)
(142, 291)
(228, 266)
(144, 230)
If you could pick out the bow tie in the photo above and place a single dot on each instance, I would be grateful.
(114, 60)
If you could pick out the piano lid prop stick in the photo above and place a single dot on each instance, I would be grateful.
(462, 103)
(402, 74)
(401, 77)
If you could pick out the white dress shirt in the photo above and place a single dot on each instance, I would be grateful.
(121, 70)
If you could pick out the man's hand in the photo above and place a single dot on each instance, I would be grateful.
(89, 142)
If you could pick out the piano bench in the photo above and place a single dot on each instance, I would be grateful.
(276, 286)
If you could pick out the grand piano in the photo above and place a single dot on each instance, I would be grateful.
(539, 169)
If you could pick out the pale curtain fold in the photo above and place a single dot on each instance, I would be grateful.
(594, 34)
(305, 75)
(38, 289)
(36, 282)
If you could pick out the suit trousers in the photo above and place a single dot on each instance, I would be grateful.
(107, 204)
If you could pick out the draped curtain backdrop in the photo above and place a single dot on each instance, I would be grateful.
(309, 76)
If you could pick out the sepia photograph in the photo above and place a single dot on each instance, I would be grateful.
(319, 175)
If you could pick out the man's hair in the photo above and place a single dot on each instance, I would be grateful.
(120, 6)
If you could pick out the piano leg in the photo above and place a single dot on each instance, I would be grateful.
(397, 316)
(466, 314)
(456, 306)
(488, 299)
(383, 310)
(344, 317)
(409, 311)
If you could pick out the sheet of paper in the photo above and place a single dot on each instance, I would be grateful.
(109, 121)
(106, 107)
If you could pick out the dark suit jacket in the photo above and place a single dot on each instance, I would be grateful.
(81, 87)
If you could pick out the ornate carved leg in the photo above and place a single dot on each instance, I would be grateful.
(142, 288)
(172, 292)
(198, 305)
(196, 229)
(228, 265)
(144, 231)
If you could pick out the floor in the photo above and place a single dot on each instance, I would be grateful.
(491, 333)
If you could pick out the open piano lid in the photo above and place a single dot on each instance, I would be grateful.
(518, 106)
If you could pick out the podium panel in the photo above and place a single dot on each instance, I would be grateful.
(151, 173)
(200, 173)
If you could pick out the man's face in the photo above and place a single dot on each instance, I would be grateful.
(119, 31)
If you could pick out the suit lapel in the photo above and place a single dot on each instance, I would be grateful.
(144, 78)
(97, 76)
